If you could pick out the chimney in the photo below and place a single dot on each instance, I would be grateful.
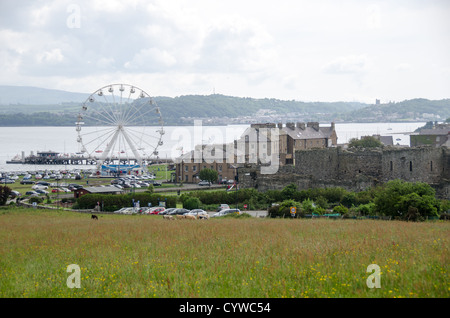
(333, 126)
(290, 125)
(314, 125)
(280, 125)
(301, 125)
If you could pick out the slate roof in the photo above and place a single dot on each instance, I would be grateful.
(438, 132)
(308, 132)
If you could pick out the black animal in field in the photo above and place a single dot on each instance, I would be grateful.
(94, 217)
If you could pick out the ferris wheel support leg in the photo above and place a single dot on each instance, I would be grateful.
(132, 147)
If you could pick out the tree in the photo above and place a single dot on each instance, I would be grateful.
(289, 191)
(365, 142)
(4, 194)
(210, 175)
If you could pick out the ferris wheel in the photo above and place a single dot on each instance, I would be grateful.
(120, 124)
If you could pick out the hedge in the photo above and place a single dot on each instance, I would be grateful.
(113, 202)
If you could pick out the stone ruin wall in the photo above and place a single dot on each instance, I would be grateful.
(356, 170)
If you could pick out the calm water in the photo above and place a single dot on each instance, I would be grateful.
(14, 140)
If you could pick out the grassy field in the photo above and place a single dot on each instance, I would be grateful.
(146, 256)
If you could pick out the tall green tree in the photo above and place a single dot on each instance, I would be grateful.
(209, 175)
(398, 197)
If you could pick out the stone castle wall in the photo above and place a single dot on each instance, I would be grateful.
(356, 170)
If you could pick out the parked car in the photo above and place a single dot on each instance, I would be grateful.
(225, 212)
(39, 187)
(128, 210)
(157, 210)
(40, 191)
(223, 207)
(3, 181)
(15, 194)
(199, 213)
(44, 183)
(26, 181)
(178, 212)
(31, 193)
(204, 183)
(166, 211)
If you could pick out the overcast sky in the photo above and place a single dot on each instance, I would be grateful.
(287, 49)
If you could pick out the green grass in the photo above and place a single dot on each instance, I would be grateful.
(146, 256)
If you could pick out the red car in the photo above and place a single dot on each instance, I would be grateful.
(156, 210)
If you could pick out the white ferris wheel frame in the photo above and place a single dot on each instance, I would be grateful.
(119, 123)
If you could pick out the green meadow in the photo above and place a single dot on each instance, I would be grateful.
(147, 256)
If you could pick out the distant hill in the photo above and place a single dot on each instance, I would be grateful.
(28, 95)
(33, 106)
(418, 109)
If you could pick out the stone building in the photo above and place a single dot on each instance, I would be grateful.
(301, 136)
(214, 157)
(436, 137)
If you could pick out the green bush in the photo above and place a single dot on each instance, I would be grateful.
(340, 209)
(36, 199)
(192, 203)
(399, 199)
(366, 209)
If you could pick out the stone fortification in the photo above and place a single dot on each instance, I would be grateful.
(356, 170)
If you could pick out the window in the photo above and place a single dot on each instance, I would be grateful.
(220, 168)
(186, 168)
(431, 165)
(410, 166)
(392, 166)
(194, 168)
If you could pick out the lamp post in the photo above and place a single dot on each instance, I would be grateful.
(236, 181)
